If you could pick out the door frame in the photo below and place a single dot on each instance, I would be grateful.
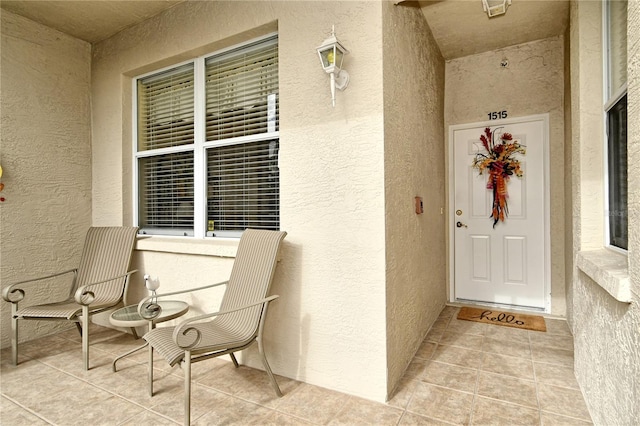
(547, 200)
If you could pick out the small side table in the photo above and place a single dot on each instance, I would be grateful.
(128, 317)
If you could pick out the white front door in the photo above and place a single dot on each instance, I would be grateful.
(495, 261)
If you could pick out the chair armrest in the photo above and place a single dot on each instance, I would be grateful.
(151, 310)
(15, 293)
(84, 295)
(186, 327)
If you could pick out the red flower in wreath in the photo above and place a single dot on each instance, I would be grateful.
(500, 162)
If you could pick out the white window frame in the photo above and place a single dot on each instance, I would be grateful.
(199, 146)
(611, 97)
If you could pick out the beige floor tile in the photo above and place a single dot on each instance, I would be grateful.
(508, 389)
(468, 341)
(416, 369)
(507, 333)
(426, 349)
(312, 403)
(553, 356)
(434, 335)
(555, 375)
(510, 348)
(46, 347)
(521, 368)
(411, 419)
(15, 415)
(247, 383)
(491, 412)
(451, 376)
(467, 327)
(403, 393)
(362, 412)
(556, 326)
(203, 400)
(558, 341)
(281, 419)
(148, 418)
(233, 412)
(91, 407)
(557, 400)
(449, 312)
(441, 323)
(550, 419)
(457, 356)
(441, 404)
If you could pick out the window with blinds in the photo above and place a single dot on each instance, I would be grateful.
(222, 179)
(241, 89)
(616, 122)
(243, 187)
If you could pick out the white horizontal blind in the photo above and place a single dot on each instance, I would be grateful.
(239, 85)
(243, 187)
(166, 109)
(165, 181)
(242, 101)
(617, 45)
(166, 193)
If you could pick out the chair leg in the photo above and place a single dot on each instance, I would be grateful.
(150, 370)
(233, 358)
(187, 387)
(268, 369)
(14, 340)
(85, 336)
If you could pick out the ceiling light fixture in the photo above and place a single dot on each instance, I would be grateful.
(495, 7)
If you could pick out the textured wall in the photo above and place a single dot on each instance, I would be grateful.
(332, 276)
(46, 158)
(533, 83)
(606, 332)
(414, 166)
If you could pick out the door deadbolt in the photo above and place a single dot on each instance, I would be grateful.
(459, 212)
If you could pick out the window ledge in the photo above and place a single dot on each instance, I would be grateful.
(608, 269)
(222, 247)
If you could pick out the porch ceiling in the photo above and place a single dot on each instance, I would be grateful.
(460, 27)
(88, 20)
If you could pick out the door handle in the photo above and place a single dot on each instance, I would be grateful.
(460, 225)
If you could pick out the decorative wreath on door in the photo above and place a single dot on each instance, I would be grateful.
(500, 162)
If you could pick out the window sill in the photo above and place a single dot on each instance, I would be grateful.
(608, 269)
(222, 247)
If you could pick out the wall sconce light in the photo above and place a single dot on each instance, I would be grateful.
(331, 53)
(495, 7)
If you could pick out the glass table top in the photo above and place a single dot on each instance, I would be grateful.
(129, 317)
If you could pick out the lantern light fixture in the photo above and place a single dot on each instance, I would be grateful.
(495, 7)
(331, 53)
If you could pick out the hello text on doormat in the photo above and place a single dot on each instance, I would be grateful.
(507, 319)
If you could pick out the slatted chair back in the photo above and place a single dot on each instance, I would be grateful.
(107, 253)
(251, 278)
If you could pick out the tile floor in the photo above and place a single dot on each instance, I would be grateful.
(463, 373)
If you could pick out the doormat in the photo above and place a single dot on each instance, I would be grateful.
(507, 319)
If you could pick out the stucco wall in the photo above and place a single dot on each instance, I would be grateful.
(532, 83)
(606, 332)
(328, 328)
(46, 158)
(414, 166)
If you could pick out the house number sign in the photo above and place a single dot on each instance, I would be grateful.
(497, 115)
